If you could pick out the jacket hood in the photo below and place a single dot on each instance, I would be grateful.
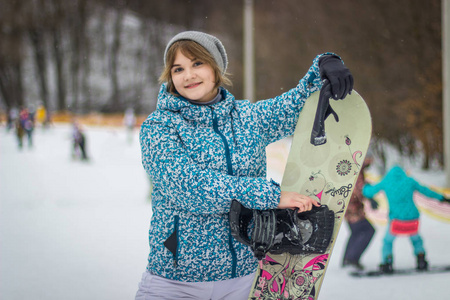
(396, 174)
(167, 101)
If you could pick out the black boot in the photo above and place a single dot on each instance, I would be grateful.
(352, 264)
(422, 264)
(387, 266)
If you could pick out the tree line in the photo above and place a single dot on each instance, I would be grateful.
(106, 55)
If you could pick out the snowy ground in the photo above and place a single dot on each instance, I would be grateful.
(78, 230)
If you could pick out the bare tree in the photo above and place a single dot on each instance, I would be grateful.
(77, 16)
(114, 103)
(11, 52)
(56, 30)
(37, 38)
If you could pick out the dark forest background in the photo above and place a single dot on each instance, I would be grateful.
(106, 55)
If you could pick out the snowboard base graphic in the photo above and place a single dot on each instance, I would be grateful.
(327, 173)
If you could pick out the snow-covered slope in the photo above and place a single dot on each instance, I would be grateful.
(78, 230)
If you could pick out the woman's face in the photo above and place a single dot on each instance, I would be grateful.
(193, 79)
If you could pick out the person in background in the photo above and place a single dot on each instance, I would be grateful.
(79, 141)
(202, 148)
(13, 115)
(41, 116)
(129, 120)
(403, 214)
(20, 132)
(361, 229)
(25, 126)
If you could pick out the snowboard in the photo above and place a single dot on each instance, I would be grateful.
(327, 151)
(408, 271)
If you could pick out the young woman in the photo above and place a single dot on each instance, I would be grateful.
(203, 148)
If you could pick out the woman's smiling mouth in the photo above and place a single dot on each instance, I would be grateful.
(193, 85)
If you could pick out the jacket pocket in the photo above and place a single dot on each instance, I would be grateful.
(172, 242)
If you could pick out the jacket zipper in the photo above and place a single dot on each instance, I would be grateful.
(230, 172)
(233, 256)
(225, 143)
(175, 257)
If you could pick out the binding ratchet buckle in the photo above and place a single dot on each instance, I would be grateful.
(282, 230)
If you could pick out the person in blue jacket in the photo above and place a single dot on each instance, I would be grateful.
(403, 213)
(202, 148)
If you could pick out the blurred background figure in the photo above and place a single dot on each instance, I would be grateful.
(25, 126)
(13, 114)
(79, 141)
(129, 121)
(20, 132)
(403, 213)
(42, 116)
(361, 229)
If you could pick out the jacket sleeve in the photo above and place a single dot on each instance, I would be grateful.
(278, 116)
(186, 186)
(369, 191)
(427, 192)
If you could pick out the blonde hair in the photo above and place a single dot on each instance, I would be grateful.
(191, 50)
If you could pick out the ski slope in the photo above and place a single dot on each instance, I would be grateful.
(78, 230)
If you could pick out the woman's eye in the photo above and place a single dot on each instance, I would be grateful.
(198, 63)
(176, 70)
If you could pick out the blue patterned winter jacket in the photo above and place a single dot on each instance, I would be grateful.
(199, 158)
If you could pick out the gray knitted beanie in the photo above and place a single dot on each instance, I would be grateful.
(209, 42)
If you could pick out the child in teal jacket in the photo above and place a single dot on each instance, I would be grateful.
(403, 213)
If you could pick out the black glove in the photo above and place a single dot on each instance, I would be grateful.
(373, 204)
(445, 200)
(332, 68)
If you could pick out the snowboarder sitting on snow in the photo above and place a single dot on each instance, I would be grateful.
(403, 213)
(202, 148)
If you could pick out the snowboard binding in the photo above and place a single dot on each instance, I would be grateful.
(282, 230)
(324, 109)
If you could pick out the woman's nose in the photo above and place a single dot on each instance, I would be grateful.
(189, 74)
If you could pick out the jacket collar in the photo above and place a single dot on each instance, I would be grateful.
(198, 113)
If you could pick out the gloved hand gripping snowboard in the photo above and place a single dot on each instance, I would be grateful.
(324, 110)
(282, 230)
(337, 84)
